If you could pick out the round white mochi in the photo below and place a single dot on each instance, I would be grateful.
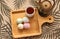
(19, 20)
(20, 26)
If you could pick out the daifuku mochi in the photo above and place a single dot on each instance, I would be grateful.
(25, 19)
(19, 20)
(20, 26)
(26, 25)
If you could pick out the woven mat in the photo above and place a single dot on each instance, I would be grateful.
(50, 31)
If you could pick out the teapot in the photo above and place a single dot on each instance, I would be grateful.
(45, 7)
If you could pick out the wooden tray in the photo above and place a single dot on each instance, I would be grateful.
(36, 23)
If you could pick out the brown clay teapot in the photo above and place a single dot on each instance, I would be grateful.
(45, 7)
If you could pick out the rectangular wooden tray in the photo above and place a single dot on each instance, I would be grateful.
(34, 29)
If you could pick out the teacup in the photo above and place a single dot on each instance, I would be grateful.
(30, 11)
